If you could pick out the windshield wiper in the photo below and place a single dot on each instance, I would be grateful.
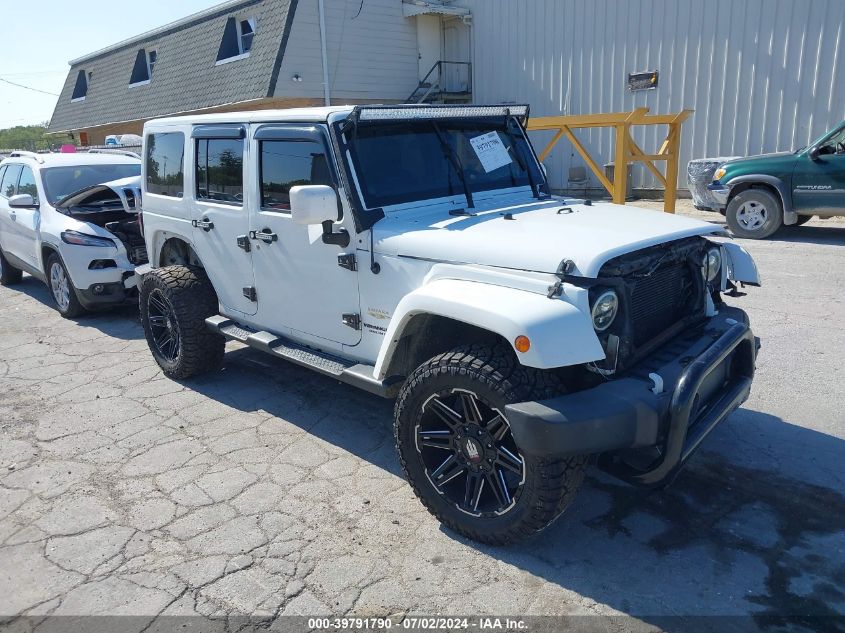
(535, 190)
(456, 163)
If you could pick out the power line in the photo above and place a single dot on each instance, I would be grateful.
(52, 94)
(34, 72)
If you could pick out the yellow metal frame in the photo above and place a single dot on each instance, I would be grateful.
(627, 150)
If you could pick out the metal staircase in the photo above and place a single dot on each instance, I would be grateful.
(446, 82)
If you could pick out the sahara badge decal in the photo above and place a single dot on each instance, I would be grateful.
(381, 315)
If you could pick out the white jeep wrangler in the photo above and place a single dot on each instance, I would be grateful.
(415, 252)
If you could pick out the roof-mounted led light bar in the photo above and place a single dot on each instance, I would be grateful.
(436, 112)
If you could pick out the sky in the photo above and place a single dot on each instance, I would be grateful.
(38, 43)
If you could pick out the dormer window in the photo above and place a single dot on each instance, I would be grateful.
(237, 40)
(142, 71)
(81, 87)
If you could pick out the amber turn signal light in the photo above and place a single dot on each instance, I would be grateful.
(522, 344)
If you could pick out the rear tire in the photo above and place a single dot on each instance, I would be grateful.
(754, 214)
(174, 304)
(498, 495)
(9, 275)
(61, 288)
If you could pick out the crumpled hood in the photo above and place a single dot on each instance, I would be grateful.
(538, 238)
(127, 190)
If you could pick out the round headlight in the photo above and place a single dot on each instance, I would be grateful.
(712, 264)
(604, 310)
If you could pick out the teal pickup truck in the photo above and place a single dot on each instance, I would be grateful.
(759, 194)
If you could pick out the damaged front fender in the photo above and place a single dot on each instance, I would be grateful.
(740, 265)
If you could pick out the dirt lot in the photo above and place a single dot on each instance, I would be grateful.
(265, 489)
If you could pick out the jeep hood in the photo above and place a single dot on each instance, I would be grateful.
(537, 238)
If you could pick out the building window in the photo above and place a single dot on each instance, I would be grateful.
(286, 164)
(220, 170)
(81, 87)
(165, 154)
(237, 40)
(142, 71)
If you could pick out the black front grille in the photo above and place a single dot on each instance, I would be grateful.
(660, 300)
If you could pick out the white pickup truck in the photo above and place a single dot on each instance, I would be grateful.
(415, 252)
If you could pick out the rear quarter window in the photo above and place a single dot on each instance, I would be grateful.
(165, 157)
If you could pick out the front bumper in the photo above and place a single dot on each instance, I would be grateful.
(719, 193)
(665, 406)
(100, 295)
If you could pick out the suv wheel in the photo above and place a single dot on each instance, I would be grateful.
(62, 289)
(8, 274)
(754, 214)
(458, 452)
(174, 304)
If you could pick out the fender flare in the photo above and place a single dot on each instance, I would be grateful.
(789, 215)
(159, 239)
(560, 334)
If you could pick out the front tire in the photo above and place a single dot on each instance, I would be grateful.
(754, 214)
(459, 455)
(9, 275)
(61, 288)
(174, 304)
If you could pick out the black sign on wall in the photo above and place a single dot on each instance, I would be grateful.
(642, 81)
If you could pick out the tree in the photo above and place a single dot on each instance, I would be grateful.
(32, 138)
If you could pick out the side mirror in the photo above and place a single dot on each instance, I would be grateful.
(22, 201)
(813, 153)
(313, 204)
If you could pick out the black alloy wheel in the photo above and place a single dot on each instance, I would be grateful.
(164, 328)
(469, 453)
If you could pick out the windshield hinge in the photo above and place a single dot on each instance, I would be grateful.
(352, 320)
(347, 261)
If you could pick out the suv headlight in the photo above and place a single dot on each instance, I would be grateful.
(83, 239)
(719, 173)
(711, 264)
(604, 310)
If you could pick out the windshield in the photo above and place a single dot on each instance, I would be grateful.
(422, 160)
(63, 181)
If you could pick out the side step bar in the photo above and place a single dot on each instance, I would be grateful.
(357, 375)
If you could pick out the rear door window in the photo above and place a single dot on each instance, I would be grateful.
(220, 170)
(10, 179)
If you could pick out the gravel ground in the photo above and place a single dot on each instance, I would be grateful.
(266, 489)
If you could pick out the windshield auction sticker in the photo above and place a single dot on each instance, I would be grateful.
(491, 151)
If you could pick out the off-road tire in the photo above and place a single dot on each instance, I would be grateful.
(73, 308)
(9, 275)
(767, 201)
(192, 298)
(494, 375)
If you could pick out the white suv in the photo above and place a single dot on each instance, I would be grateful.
(415, 252)
(62, 225)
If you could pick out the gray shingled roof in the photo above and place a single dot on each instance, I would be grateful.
(185, 76)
